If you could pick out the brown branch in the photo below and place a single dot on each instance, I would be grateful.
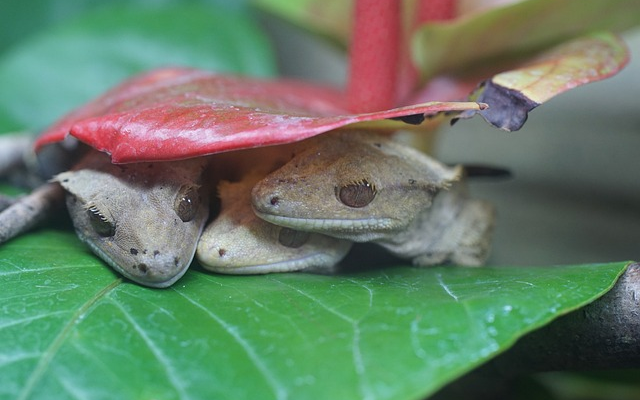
(602, 335)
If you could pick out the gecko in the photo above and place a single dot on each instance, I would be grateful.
(238, 242)
(143, 219)
(364, 187)
(146, 219)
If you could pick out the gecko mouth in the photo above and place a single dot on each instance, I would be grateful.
(157, 281)
(318, 262)
(332, 227)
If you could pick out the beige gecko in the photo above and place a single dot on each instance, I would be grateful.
(143, 219)
(238, 242)
(367, 188)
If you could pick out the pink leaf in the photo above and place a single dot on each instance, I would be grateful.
(180, 113)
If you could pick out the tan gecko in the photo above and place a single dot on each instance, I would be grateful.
(143, 219)
(367, 188)
(238, 242)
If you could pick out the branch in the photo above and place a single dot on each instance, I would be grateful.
(602, 335)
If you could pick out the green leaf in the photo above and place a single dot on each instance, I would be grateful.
(66, 65)
(71, 328)
(497, 36)
(331, 18)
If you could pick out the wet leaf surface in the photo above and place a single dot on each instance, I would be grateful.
(71, 328)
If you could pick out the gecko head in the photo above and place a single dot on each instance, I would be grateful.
(143, 219)
(238, 242)
(351, 185)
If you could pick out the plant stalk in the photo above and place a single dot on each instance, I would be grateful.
(374, 55)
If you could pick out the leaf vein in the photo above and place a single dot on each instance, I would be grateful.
(45, 269)
(280, 391)
(171, 372)
(445, 287)
(53, 348)
(356, 352)
(30, 319)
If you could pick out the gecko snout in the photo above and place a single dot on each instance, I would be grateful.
(155, 269)
(263, 198)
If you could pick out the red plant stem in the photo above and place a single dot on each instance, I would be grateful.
(374, 55)
(381, 73)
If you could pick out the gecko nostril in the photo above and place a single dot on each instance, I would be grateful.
(274, 200)
(142, 267)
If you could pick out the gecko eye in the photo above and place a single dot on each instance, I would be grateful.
(292, 238)
(187, 202)
(357, 194)
(102, 225)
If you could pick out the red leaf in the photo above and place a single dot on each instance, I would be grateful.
(180, 113)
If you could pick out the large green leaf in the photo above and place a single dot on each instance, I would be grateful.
(66, 65)
(70, 328)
